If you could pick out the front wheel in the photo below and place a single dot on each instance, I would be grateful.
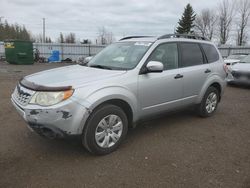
(105, 129)
(209, 103)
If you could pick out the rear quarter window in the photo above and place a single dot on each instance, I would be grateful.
(210, 52)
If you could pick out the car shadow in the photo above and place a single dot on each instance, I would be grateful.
(72, 146)
(167, 119)
(240, 86)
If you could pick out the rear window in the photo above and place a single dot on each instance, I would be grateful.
(211, 53)
(191, 54)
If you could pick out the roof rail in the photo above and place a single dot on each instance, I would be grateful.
(131, 37)
(187, 36)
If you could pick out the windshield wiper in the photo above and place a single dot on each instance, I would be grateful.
(101, 67)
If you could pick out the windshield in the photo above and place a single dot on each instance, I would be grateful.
(246, 59)
(120, 56)
(236, 56)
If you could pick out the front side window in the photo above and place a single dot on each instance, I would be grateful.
(191, 54)
(167, 54)
(120, 56)
(211, 53)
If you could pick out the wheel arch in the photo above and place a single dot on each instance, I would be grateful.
(124, 105)
(119, 96)
(217, 82)
(218, 87)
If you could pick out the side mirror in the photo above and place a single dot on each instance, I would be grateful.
(87, 59)
(84, 60)
(154, 66)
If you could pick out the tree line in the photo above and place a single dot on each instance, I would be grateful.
(17, 32)
(228, 22)
(14, 31)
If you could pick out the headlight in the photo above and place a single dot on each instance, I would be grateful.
(50, 98)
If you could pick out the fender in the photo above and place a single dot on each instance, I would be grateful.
(103, 94)
(113, 92)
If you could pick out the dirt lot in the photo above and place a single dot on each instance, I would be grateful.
(178, 150)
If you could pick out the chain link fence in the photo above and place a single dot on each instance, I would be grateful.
(74, 51)
(70, 51)
(67, 51)
(227, 50)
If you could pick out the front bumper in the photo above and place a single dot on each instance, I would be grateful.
(238, 80)
(60, 120)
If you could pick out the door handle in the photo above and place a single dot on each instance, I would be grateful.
(207, 71)
(178, 76)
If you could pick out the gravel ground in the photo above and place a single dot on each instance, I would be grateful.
(177, 150)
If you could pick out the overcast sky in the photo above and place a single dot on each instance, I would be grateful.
(84, 17)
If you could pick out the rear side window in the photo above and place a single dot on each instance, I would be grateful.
(191, 54)
(211, 53)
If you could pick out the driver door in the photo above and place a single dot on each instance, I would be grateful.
(161, 91)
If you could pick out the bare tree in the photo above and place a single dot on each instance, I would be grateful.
(110, 37)
(226, 14)
(205, 23)
(243, 13)
(61, 38)
(101, 35)
(38, 38)
(48, 40)
(104, 36)
(70, 38)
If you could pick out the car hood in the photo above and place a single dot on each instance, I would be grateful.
(244, 67)
(230, 61)
(74, 76)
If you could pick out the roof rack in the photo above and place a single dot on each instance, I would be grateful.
(187, 36)
(132, 37)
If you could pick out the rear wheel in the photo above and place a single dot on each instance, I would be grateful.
(209, 103)
(106, 128)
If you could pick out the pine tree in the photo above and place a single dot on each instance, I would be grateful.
(186, 21)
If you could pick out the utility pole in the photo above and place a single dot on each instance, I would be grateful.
(1, 19)
(43, 30)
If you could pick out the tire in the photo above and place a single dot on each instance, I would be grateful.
(209, 104)
(105, 129)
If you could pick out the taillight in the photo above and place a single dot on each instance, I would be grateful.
(226, 69)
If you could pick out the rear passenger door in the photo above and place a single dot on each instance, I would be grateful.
(213, 58)
(194, 68)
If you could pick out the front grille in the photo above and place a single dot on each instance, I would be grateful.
(22, 95)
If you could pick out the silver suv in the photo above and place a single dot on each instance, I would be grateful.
(130, 80)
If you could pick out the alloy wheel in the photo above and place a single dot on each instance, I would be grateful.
(108, 131)
(211, 102)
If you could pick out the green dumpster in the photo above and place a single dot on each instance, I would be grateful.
(19, 52)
